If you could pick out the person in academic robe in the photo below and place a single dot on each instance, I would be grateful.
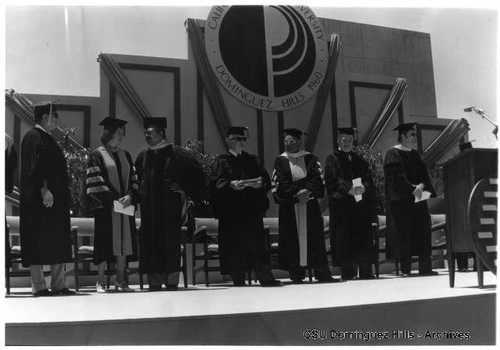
(168, 176)
(10, 168)
(238, 190)
(407, 184)
(297, 185)
(351, 208)
(44, 204)
(111, 178)
(10, 163)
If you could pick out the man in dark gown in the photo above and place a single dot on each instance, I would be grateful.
(44, 206)
(168, 176)
(351, 208)
(407, 183)
(240, 206)
(297, 185)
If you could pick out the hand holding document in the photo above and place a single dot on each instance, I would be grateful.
(255, 182)
(425, 195)
(357, 183)
(119, 208)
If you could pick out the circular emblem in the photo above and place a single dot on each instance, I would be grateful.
(272, 58)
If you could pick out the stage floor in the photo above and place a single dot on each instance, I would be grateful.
(388, 292)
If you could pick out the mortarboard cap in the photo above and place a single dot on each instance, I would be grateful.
(158, 122)
(405, 127)
(111, 122)
(237, 130)
(347, 131)
(44, 107)
(294, 132)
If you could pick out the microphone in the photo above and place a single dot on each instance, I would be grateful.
(473, 109)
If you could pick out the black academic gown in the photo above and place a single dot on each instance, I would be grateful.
(45, 232)
(10, 167)
(161, 208)
(408, 223)
(101, 195)
(240, 212)
(350, 221)
(284, 190)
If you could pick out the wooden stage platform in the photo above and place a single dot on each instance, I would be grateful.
(385, 311)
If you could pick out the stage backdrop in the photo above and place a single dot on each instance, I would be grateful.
(371, 59)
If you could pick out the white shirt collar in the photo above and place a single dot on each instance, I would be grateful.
(234, 153)
(402, 148)
(38, 126)
(299, 154)
(162, 144)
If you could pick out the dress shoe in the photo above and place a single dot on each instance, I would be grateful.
(239, 284)
(154, 288)
(43, 293)
(406, 275)
(428, 273)
(271, 283)
(100, 287)
(328, 280)
(297, 281)
(64, 291)
(123, 287)
(464, 269)
(171, 287)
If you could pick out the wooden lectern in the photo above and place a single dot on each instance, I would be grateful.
(460, 174)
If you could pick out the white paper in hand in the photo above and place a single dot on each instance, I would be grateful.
(118, 207)
(425, 196)
(356, 183)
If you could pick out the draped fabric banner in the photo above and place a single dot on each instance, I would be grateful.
(323, 93)
(21, 106)
(122, 85)
(197, 40)
(390, 106)
(445, 141)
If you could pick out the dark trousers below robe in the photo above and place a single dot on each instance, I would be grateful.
(413, 233)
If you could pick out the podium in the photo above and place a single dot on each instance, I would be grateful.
(460, 175)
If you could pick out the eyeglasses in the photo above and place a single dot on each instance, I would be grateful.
(239, 139)
(412, 134)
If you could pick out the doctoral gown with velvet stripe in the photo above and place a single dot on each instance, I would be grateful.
(351, 233)
(240, 212)
(45, 232)
(408, 223)
(284, 189)
(162, 208)
(101, 194)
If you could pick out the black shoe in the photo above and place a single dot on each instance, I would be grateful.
(154, 288)
(328, 280)
(297, 281)
(239, 284)
(370, 277)
(43, 293)
(428, 273)
(406, 275)
(464, 269)
(64, 291)
(171, 287)
(271, 283)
